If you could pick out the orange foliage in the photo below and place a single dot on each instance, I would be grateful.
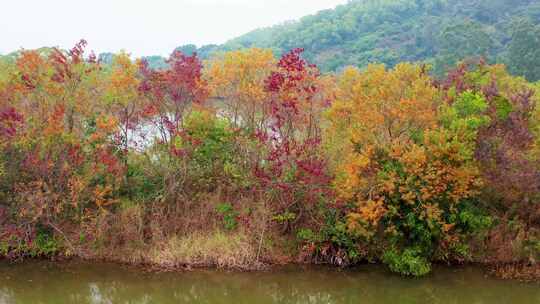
(236, 81)
(392, 156)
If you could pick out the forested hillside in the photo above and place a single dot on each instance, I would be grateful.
(440, 32)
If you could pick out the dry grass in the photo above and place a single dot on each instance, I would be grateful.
(187, 235)
(217, 249)
(518, 271)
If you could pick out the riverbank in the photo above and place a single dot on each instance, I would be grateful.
(235, 253)
(199, 238)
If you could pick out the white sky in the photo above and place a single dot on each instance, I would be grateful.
(141, 27)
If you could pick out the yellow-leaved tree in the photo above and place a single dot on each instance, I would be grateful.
(236, 81)
(405, 161)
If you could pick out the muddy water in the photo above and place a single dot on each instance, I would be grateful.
(76, 282)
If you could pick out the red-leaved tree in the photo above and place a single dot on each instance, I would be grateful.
(293, 172)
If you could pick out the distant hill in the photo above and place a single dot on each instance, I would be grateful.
(439, 32)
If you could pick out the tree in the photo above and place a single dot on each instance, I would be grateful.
(188, 49)
(524, 49)
(293, 172)
(170, 95)
(63, 163)
(505, 150)
(236, 80)
(462, 41)
(123, 99)
(406, 165)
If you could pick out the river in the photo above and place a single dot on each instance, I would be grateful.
(38, 282)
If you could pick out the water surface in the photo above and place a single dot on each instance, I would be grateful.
(76, 282)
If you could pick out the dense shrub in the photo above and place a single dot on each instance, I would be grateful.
(372, 165)
(408, 164)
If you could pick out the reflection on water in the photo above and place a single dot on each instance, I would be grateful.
(43, 282)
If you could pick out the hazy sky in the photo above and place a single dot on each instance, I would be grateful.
(141, 27)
